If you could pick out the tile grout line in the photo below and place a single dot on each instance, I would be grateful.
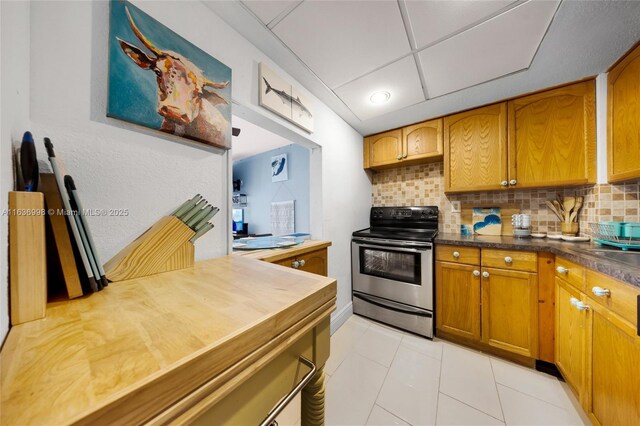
(471, 406)
(383, 381)
(495, 382)
(531, 396)
(439, 385)
(527, 394)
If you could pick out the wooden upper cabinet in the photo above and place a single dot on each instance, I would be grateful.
(475, 149)
(623, 124)
(552, 137)
(422, 140)
(385, 148)
(419, 143)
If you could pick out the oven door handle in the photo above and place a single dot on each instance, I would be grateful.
(372, 245)
(378, 302)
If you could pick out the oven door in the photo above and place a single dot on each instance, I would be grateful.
(394, 271)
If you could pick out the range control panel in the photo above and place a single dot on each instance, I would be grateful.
(403, 215)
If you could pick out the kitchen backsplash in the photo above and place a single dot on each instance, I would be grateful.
(424, 185)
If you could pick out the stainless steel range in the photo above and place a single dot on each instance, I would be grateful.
(392, 265)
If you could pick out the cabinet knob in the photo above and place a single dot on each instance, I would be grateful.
(295, 264)
(302, 262)
(504, 183)
(513, 182)
(456, 254)
(485, 274)
(600, 292)
(581, 306)
(404, 155)
(562, 270)
(508, 259)
(573, 301)
(476, 273)
(399, 157)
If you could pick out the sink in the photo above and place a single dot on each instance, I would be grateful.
(631, 258)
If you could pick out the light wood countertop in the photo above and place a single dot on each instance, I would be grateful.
(140, 345)
(274, 255)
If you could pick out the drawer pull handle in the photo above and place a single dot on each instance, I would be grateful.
(581, 306)
(456, 254)
(508, 259)
(599, 291)
(302, 262)
(485, 274)
(476, 273)
(295, 264)
(562, 270)
(289, 397)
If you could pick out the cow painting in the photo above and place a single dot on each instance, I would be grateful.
(162, 89)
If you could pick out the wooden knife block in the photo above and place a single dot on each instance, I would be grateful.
(163, 247)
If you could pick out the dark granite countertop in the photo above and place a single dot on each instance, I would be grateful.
(575, 252)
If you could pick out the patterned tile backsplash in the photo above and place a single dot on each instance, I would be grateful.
(424, 185)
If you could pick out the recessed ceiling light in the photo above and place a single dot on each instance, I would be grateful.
(380, 97)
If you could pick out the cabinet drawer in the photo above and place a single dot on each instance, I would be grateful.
(622, 298)
(571, 272)
(457, 254)
(510, 259)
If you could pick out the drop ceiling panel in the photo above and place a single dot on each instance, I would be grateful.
(343, 40)
(434, 20)
(268, 10)
(400, 79)
(499, 46)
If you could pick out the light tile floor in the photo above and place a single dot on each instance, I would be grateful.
(378, 375)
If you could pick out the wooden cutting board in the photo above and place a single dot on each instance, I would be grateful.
(61, 237)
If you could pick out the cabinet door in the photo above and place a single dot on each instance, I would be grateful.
(552, 137)
(314, 262)
(385, 148)
(475, 149)
(510, 310)
(458, 299)
(288, 262)
(614, 370)
(423, 140)
(570, 349)
(624, 118)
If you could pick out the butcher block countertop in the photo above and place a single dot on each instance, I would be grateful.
(274, 255)
(127, 353)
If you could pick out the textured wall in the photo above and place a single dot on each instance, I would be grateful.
(14, 120)
(424, 185)
(255, 173)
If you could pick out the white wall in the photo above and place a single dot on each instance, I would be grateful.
(14, 120)
(118, 165)
(255, 172)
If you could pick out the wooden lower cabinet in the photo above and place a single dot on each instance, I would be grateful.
(489, 306)
(458, 299)
(613, 371)
(571, 334)
(510, 310)
(314, 262)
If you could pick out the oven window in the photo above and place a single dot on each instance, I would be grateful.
(391, 264)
